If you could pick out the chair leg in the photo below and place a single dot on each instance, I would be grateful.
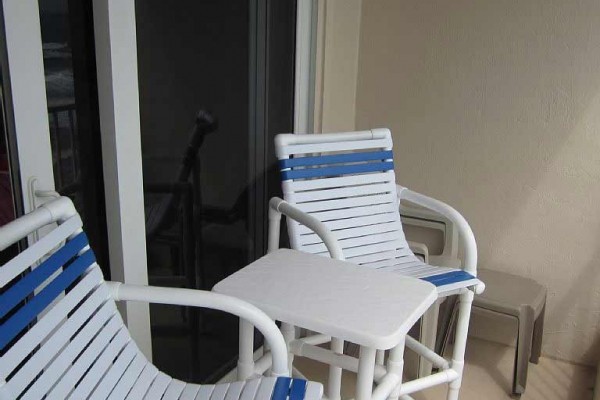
(523, 351)
(460, 343)
(538, 333)
(446, 324)
(334, 384)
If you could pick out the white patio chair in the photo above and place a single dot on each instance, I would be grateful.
(343, 186)
(61, 335)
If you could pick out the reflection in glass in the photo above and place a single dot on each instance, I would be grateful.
(69, 68)
(7, 192)
(205, 200)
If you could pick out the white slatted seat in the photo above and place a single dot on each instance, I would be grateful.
(61, 335)
(341, 200)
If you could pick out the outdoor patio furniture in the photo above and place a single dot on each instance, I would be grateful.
(341, 201)
(61, 335)
(337, 299)
(525, 300)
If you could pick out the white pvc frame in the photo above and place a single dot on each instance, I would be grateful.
(369, 365)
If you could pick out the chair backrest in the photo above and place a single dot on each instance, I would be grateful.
(347, 181)
(60, 331)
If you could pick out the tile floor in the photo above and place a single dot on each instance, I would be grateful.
(488, 376)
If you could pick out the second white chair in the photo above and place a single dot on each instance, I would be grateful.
(344, 186)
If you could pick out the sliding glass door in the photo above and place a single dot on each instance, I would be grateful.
(216, 82)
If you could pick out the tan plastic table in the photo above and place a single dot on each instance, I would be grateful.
(525, 300)
(342, 300)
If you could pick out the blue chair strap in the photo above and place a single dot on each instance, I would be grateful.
(23, 288)
(283, 390)
(339, 170)
(298, 389)
(18, 321)
(335, 159)
(448, 278)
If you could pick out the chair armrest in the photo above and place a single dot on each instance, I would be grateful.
(215, 301)
(464, 230)
(420, 248)
(279, 206)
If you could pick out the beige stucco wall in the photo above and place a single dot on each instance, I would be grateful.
(338, 31)
(495, 108)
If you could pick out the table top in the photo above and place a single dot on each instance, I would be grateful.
(336, 298)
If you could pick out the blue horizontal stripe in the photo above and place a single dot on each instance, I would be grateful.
(448, 278)
(335, 159)
(20, 290)
(333, 171)
(17, 322)
(298, 389)
(282, 388)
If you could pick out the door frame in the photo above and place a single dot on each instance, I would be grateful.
(118, 101)
(25, 102)
(26, 110)
(305, 74)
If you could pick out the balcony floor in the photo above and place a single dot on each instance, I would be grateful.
(488, 375)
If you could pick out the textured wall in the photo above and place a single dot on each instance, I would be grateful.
(495, 108)
(337, 64)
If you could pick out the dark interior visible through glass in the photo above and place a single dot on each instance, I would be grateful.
(70, 72)
(8, 200)
(216, 84)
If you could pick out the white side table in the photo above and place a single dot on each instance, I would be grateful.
(340, 300)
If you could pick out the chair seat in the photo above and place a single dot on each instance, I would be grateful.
(152, 384)
(445, 279)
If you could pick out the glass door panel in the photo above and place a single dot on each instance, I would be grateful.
(70, 75)
(9, 198)
(206, 190)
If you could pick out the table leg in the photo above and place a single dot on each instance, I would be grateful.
(334, 384)
(289, 334)
(429, 324)
(366, 369)
(396, 367)
(245, 365)
(380, 358)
